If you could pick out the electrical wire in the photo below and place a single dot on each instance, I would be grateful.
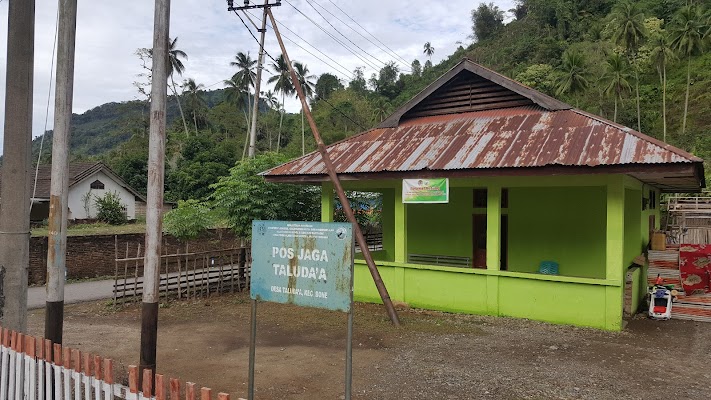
(365, 60)
(341, 33)
(366, 31)
(46, 112)
(390, 53)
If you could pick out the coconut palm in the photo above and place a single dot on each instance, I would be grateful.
(246, 78)
(176, 66)
(235, 95)
(616, 79)
(574, 77)
(630, 33)
(282, 84)
(195, 101)
(428, 50)
(381, 108)
(661, 55)
(690, 34)
(308, 87)
(271, 99)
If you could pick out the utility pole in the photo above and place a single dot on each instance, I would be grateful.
(260, 59)
(156, 171)
(17, 164)
(59, 189)
(379, 284)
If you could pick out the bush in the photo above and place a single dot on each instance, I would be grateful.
(189, 220)
(110, 209)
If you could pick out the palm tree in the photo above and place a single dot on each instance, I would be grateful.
(282, 84)
(630, 34)
(381, 108)
(235, 95)
(308, 86)
(574, 76)
(273, 104)
(195, 99)
(689, 36)
(615, 81)
(661, 55)
(176, 66)
(428, 50)
(246, 77)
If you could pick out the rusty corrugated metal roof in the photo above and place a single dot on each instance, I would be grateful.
(517, 137)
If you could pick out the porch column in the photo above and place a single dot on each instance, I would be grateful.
(327, 201)
(400, 227)
(493, 247)
(615, 241)
(493, 228)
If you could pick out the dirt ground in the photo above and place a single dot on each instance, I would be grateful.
(301, 353)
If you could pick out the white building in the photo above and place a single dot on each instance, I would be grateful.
(86, 182)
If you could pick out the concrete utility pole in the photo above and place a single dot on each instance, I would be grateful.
(154, 206)
(257, 84)
(360, 239)
(59, 189)
(260, 67)
(17, 164)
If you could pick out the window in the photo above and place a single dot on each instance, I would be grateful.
(97, 184)
(479, 198)
(652, 200)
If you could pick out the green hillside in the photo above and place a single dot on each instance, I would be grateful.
(594, 54)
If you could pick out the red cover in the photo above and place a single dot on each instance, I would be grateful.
(694, 266)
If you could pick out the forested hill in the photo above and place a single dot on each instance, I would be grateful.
(634, 62)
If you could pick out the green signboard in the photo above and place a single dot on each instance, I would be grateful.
(425, 190)
(304, 263)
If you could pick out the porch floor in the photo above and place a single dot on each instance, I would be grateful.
(666, 264)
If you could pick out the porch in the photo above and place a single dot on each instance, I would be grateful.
(480, 253)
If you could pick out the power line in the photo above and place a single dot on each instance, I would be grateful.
(369, 63)
(341, 33)
(343, 68)
(391, 53)
(366, 31)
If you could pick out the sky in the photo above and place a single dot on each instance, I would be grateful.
(109, 32)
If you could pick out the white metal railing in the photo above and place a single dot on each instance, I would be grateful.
(37, 369)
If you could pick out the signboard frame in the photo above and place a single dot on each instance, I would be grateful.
(285, 242)
(425, 191)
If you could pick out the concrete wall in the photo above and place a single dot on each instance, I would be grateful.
(76, 192)
(93, 256)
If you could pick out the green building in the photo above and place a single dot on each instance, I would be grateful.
(530, 180)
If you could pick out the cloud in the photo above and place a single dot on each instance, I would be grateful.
(108, 34)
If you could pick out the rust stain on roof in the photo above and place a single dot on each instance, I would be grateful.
(517, 137)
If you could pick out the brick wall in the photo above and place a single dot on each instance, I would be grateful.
(92, 256)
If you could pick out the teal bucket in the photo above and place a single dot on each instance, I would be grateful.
(548, 268)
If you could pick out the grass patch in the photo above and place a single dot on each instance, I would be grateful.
(95, 229)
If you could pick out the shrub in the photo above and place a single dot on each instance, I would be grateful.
(110, 209)
(189, 220)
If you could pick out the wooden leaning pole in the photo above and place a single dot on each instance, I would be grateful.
(360, 239)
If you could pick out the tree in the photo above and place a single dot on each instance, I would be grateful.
(176, 66)
(616, 79)
(358, 84)
(630, 33)
(428, 65)
(661, 55)
(416, 68)
(574, 76)
(690, 34)
(326, 84)
(282, 84)
(308, 87)
(195, 100)
(245, 78)
(110, 209)
(234, 94)
(381, 109)
(428, 50)
(244, 196)
(189, 220)
(486, 21)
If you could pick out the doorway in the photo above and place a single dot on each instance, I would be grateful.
(479, 241)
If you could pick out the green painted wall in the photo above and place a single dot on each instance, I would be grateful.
(633, 225)
(562, 224)
(387, 218)
(444, 229)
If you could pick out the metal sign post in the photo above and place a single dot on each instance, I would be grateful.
(308, 264)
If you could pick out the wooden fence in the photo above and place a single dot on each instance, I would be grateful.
(185, 274)
(37, 369)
